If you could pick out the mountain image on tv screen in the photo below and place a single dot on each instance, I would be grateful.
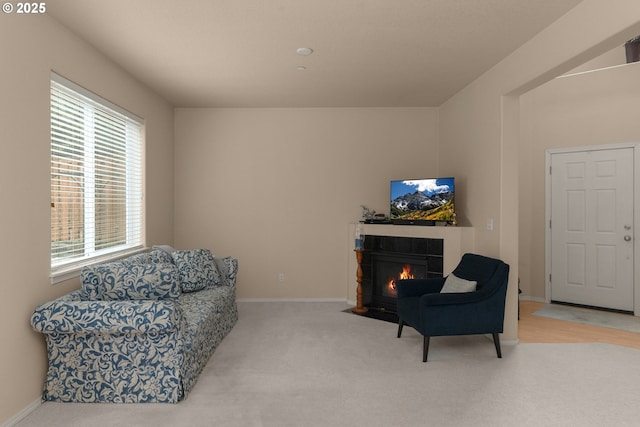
(423, 200)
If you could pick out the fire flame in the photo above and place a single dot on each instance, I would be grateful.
(405, 274)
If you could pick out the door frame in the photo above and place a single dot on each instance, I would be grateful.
(636, 214)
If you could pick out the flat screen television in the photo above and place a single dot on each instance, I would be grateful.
(422, 201)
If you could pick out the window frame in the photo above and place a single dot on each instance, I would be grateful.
(61, 269)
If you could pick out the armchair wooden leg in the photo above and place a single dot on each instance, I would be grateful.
(496, 341)
(400, 325)
(425, 348)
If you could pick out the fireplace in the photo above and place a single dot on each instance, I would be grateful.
(386, 271)
(389, 259)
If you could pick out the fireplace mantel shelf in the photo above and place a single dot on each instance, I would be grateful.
(457, 241)
(431, 232)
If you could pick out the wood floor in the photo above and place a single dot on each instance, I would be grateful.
(536, 329)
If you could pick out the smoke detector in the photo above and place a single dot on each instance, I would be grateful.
(304, 51)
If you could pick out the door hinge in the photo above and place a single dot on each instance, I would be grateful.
(549, 278)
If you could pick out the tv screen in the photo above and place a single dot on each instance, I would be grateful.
(422, 200)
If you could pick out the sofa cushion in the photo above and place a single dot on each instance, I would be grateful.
(118, 281)
(454, 284)
(164, 248)
(227, 268)
(155, 256)
(196, 268)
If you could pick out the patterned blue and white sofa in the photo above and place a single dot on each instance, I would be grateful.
(140, 329)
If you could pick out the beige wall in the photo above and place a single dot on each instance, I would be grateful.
(615, 56)
(239, 173)
(479, 134)
(277, 188)
(31, 47)
(595, 108)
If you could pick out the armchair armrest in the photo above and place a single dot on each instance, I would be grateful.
(451, 298)
(465, 297)
(417, 287)
(106, 317)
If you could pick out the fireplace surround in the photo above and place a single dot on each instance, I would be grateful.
(456, 242)
(387, 259)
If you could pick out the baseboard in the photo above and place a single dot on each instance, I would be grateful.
(535, 299)
(22, 414)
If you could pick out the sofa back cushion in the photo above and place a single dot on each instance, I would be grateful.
(227, 269)
(121, 281)
(156, 256)
(197, 269)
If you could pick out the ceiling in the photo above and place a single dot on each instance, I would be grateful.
(367, 53)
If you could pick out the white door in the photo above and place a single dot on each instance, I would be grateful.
(592, 228)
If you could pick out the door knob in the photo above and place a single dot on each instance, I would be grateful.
(627, 238)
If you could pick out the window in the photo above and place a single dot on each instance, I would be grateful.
(96, 178)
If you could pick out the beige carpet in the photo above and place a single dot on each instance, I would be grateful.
(310, 364)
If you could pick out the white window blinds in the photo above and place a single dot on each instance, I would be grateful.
(96, 177)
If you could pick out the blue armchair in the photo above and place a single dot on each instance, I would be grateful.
(423, 305)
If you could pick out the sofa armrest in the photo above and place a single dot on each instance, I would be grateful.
(106, 317)
(228, 268)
